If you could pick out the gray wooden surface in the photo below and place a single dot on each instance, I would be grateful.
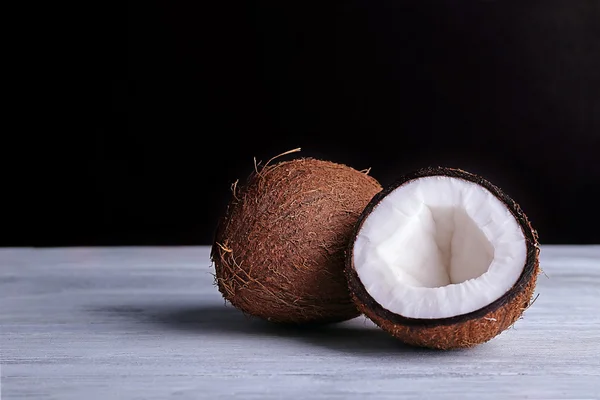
(147, 323)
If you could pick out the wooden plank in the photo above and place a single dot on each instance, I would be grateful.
(147, 323)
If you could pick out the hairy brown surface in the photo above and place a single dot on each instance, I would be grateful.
(463, 330)
(279, 249)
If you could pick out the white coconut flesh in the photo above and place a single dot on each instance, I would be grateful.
(438, 247)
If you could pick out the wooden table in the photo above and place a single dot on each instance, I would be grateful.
(147, 323)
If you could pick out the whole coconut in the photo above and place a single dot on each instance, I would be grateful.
(279, 250)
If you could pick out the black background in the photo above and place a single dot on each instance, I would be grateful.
(179, 97)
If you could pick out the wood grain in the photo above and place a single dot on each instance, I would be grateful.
(147, 323)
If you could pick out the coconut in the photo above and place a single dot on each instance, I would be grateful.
(443, 259)
(278, 251)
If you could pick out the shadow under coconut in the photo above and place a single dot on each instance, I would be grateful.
(357, 336)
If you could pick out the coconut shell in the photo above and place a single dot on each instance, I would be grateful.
(279, 249)
(460, 331)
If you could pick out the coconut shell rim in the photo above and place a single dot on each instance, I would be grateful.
(528, 273)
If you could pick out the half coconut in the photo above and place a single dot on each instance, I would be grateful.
(443, 259)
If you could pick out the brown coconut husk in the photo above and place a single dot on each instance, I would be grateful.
(279, 249)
